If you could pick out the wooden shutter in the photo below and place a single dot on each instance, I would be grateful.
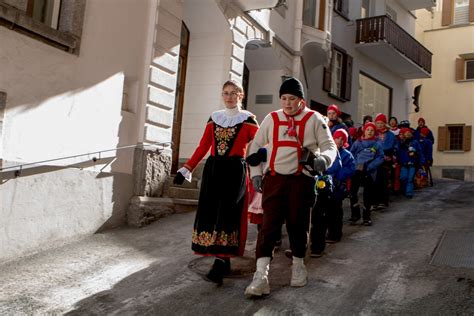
(442, 138)
(460, 69)
(471, 10)
(347, 77)
(327, 79)
(466, 138)
(447, 15)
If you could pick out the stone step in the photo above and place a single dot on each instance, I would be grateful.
(145, 210)
(182, 193)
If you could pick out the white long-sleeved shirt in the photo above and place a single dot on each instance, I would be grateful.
(317, 138)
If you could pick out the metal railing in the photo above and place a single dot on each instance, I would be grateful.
(96, 155)
(382, 28)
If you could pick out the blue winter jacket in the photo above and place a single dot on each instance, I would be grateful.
(410, 146)
(342, 169)
(417, 135)
(426, 149)
(388, 141)
(368, 153)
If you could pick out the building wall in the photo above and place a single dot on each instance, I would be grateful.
(209, 60)
(59, 104)
(444, 100)
(264, 82)
(344, 35)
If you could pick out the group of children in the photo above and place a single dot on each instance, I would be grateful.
(306, 170)
(382, 156)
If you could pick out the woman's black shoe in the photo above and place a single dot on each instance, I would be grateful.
(220, 268)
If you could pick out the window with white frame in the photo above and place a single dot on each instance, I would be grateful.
(374, 97)
(337, 77)
(310, 13)
(336, 70)
(461, 11)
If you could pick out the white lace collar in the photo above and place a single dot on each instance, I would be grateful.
(230, 117)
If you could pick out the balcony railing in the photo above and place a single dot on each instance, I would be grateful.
(382, 28)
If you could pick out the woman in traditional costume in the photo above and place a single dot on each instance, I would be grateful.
(220, 227)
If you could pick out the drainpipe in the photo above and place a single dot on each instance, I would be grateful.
(297, 38)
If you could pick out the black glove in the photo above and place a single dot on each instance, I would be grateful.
(178, 179)
(257, 158)
(257, 183)
(319, 164)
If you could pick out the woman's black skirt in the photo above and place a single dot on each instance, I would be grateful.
(220, 225)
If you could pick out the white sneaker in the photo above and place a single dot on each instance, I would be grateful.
(299, 275)
(259, 285)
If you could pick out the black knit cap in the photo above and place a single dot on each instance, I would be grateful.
(292, 86)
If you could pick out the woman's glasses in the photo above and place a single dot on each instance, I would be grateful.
(230, 94)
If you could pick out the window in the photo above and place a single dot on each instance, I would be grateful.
(461, 11)
(465, 68)
(336, 70)
(374, 97)
(314, 13)
(470, 69)
(364, 9)
(60, 21)
(309, 13)
(337, 78)
(457, 12)
(44, 11)
(454, 137)
(342, 7)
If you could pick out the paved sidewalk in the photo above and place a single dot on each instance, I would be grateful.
(383, 269)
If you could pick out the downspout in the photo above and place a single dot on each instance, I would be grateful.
(297, 38)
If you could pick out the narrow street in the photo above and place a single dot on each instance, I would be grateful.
(383, 269)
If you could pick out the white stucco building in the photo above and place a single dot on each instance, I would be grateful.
(82, 78)
(77, 82)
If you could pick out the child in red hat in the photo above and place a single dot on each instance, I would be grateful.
(421, 125)
(389, 144)
(327, 214)
(410, 158)
(427, 149)
(368, 154)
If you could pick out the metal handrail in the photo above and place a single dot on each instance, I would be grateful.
(20, 167)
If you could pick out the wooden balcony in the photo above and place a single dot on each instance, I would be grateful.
(387, 43)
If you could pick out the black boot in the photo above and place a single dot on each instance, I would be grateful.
(366, 216)
(355, 214)
(218, 270)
